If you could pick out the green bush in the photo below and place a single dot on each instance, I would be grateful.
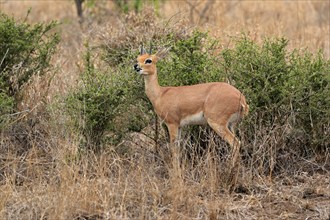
(308, 92)
(6, 107)
(25, 51)
(94, 104)
(192, 60)
(285, 90)
(283, 87)
(102, 107)
(258, 70)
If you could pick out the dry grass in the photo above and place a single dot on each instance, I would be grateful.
(44, 176)
(57, 183)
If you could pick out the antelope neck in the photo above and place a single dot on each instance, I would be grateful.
(152, 87)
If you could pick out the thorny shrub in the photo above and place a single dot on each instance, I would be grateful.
(283, 88)
(25, 51)
(287, 91)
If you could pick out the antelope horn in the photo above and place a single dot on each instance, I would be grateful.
(150, 50)
(142, 51)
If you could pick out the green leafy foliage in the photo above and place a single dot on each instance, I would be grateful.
(192, 61)
(286, 90)
(6, 106)
(259, 71)
(25, 51)
(283, 87)
(94, 104)
(308, 94)
(103, 108)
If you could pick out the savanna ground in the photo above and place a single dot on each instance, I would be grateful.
(44, 175)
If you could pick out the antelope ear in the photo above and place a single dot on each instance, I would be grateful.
(162, 53)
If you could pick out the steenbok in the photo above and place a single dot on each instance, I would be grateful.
(217, 104)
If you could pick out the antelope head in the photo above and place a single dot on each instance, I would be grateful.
(146, 62)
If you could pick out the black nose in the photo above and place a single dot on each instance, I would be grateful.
(137, 68)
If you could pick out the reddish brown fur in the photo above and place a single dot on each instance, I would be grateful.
(218, 102)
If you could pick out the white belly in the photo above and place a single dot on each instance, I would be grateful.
(196, 119)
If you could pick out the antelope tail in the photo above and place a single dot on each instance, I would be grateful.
(244, 108)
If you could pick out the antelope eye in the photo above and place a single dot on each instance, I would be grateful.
(148, 61)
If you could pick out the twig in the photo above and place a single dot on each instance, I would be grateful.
(320, 167)
(4, 58)
(17, 113)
